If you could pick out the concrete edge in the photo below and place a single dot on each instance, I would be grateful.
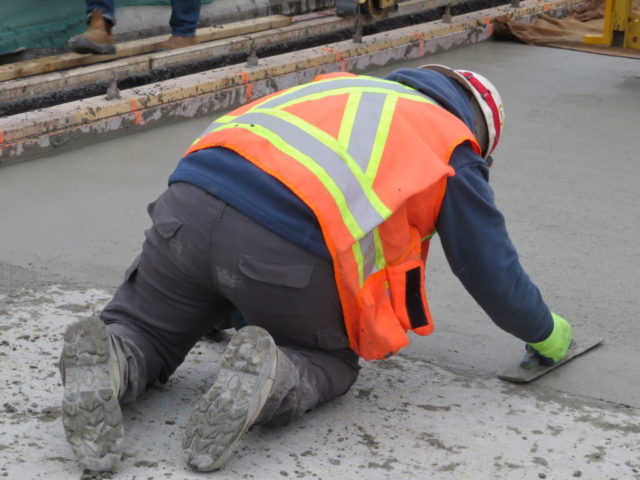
(76, 124)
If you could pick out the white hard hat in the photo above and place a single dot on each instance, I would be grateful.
(487, 98)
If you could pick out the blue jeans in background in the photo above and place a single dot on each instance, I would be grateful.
(184, 14)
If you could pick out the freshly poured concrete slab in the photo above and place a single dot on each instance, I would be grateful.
(405, 418)
(565, 177)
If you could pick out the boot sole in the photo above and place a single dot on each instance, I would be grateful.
(224, 413)
(84, 45)
(91, 413)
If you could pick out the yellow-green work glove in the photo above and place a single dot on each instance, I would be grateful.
(555, 347)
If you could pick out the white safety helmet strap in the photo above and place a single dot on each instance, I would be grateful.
(487, 97)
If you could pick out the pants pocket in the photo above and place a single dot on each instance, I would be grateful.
(163, 222)
(274, 272)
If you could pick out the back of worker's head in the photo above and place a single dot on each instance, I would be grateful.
(486, 103)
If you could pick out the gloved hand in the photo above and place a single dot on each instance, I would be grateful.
(555, 347)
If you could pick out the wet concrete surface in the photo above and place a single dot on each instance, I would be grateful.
(565, 177)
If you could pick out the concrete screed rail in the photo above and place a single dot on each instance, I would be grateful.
(565, 178)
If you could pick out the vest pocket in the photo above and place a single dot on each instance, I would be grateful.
(408, 296)
(381, 334)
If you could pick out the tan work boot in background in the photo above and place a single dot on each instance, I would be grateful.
(175, 42)
(97, 39)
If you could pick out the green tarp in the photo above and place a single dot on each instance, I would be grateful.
(48, 23)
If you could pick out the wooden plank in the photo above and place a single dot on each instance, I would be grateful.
(136, 47)
(20, 88)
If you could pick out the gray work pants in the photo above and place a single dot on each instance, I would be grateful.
(203, 260)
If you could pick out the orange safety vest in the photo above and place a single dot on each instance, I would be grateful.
(370, 157)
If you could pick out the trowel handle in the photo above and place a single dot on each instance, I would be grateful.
(530, 360)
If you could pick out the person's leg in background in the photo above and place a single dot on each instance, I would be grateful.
(107, 7)
(184, 21)
(166, 303)
(291, 294)
(98, 38)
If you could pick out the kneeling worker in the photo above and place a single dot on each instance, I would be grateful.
(307, 214)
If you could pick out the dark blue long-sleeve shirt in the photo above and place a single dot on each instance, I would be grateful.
(471, 228)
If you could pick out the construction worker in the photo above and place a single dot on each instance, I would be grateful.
(306, 215)
(101, 18)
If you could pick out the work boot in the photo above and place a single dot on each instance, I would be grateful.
(234, 402)
(97, 39)
(92, 373)
(175, 42)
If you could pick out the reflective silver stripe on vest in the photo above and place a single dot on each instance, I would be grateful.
(365, 126)
(368, 250)
(324, 86)
(364, 213)
(212, 126)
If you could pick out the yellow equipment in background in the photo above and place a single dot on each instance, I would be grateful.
(373, 8)
(621, 26)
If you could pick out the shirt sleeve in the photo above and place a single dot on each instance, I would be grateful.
(480, 253)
